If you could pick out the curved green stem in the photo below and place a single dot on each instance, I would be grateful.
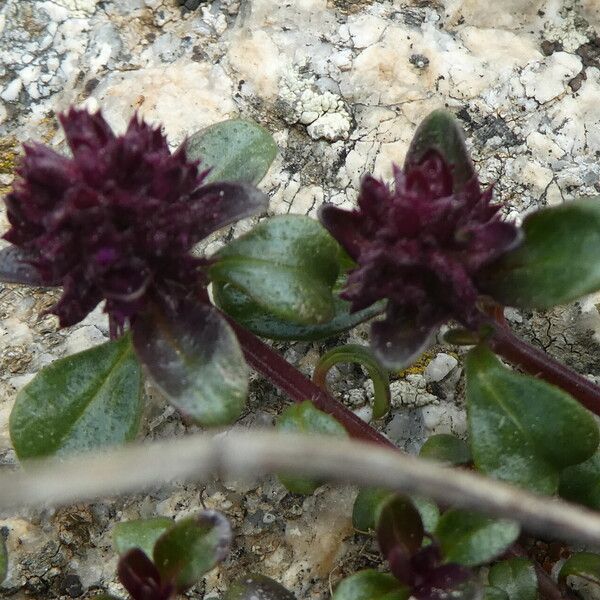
(362, 355)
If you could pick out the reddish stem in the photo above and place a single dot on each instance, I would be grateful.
(539, 364)
(289, 380)
(299, 388)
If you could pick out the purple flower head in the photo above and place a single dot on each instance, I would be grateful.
(118, 220)
(420, 246)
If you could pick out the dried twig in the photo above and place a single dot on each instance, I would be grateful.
(249, 454)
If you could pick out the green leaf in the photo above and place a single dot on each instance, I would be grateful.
(583, 564)
(557, 262)
(367, 506)
(494, 593)
(141, 533)
(305, 418)
(370, 585)
(516, 577)
(446, 448)
(441, 131)
(191, 548)
(260, 322)
(522, 429)
(236, 150)
(3, 560)
(430, 513)
(471, 539)
(258, 587)
(86, 400)
(287, 265)
(365, 357)
(581, 483)
(195, 359)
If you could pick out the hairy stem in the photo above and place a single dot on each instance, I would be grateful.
(289, 380)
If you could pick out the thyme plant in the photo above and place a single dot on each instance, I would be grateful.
(117, 223)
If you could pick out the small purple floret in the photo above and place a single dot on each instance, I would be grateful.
(118, 220)
(420, 246)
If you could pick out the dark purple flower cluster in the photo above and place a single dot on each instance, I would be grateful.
(118, 220)
(420, 247)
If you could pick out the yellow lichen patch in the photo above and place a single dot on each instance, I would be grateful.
(9, 157)
(417, 367)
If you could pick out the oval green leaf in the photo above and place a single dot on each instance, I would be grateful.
(370, 585)
(235, 150)
(493, 593)
(141, 533)
(522, 429)
(305, 418)
(583, 564)
(446, 448)
(287, 265)
(516, 577)
(86, 400)
(581, 483)
(3, 560)
(258, 587)
(557, 262)
(248, 313)
(471, 539)
(367, 506)
(191, 548)
(194, 357)
(441, 131)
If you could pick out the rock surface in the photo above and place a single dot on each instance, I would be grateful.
(341, 84)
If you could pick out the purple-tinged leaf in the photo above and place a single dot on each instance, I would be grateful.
(398, 340)
(141, 578)
(442, 132)
(191, 548)
(225, 202)
(450, 581)
(257, 587)
(400, 535)
(344, 226)
(16, 268)
(193, 356)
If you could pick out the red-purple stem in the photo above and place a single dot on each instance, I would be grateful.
(289, 380)
(539, 364)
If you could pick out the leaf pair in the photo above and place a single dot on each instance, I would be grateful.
(94, 398)
(181, 553)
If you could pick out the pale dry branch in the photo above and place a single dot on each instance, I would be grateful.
(243, 454)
